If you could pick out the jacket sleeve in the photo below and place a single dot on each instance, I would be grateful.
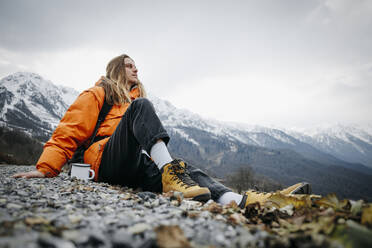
(76, 126)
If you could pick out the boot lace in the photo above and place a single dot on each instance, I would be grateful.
(180, 175)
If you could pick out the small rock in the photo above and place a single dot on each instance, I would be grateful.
(75, 218)
(22, 193)
(220, 238)
(122, 238)
(147, 204)
(205, 215)
(75, 236)
(341, 221)
(146, 195)
(109, 209)
(220, 217)
(48, 241)
(139, 228)
(162, 200)
(14, 206)
(96, 239)
(247, 240)
(155, 203)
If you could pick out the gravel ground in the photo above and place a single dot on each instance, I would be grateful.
(65, 212)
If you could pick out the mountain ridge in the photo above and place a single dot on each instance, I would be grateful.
(217, 147)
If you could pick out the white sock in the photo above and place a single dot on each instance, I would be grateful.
(160, 154)
(228, 197)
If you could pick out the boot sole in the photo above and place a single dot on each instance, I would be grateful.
(304, 189)
(202, 198)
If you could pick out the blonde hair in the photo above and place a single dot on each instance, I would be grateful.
(116, 84)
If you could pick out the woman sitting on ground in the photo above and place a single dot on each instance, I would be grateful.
(130, 148)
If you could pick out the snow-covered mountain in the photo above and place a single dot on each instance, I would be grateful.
(352, 143)
(330, 144)
(31, 103)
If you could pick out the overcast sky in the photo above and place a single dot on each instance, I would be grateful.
(285, 63)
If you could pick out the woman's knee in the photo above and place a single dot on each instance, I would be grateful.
(142, 104)
(141, 101)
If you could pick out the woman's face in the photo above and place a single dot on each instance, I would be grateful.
(131, 70)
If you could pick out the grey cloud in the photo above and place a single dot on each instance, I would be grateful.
(352, 94)
(177, 42)
(45, 25)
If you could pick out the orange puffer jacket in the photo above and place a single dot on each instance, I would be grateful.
(75, 129)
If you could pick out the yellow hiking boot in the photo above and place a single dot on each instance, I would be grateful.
(252, 196)
(175, 178)
(298, 188)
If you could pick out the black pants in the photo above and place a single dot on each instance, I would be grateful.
(124, 163)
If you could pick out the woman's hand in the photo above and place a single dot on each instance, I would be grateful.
(29, 174)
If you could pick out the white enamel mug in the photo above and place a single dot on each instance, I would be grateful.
(82, 171)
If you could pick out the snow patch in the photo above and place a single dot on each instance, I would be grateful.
(185, 136)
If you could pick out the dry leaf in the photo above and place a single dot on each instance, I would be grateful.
(168, 194)
(279, 200)
(193, 214)
(367, 216)
(289, 209)
(171, 237)
(36, 221)
(353, 235)
(236, 219)
(127, 197)
(332, 201)
(252, 210)
(356, 207)
(214, 208)
(298, 220)
(87, 188)
(178, 196)
(231, 208)
(233, 205)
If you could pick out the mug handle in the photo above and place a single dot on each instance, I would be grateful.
(93, 174)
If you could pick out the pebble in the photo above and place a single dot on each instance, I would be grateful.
(75, 236)
(22, 193)
(155, 203)
(146, 195)
(139, 228)
(49, 241)
(121, 238)
(14, 206)
(90, 214)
